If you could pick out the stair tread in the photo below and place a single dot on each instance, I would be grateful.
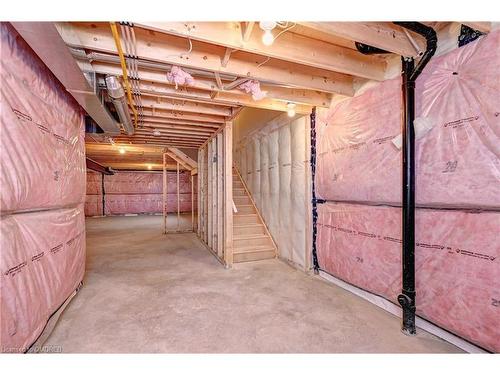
(249, 236)
(252, 249)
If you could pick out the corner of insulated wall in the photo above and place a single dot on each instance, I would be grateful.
(457, 189)
(42, 176)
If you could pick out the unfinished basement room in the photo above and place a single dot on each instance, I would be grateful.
(246, 187)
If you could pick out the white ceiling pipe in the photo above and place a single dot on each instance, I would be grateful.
(117, 95)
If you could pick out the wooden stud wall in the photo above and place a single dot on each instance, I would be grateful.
(215, 195)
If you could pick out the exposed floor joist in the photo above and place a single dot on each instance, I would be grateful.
(291, 47)
(160, 47)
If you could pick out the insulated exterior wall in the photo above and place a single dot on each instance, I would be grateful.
(43, 261)
(94, 196)
(275, 161)
(42, 144)
(42, 227)
(457, 190)
(457, 262)
(457, 159)
(136, 193)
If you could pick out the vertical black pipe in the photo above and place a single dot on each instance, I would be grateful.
(410, 73)
(103, 200)
(407, 298)
(313, 185)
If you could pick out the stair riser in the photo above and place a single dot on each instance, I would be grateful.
(245, 209)
(247, 231)
(250, 257)
(265, 241)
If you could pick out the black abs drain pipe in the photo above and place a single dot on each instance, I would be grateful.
(410, 73)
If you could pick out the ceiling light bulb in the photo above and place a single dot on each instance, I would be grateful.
(156, 133)
(267, 38)
(150, 167)
(122, 150)
(267, 27)
(290, 109)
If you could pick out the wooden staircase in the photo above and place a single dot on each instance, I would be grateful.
(251, 239)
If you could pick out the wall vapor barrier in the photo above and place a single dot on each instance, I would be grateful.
(358, 184)
(274, 163)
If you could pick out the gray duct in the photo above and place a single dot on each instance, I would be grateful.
(117, 95)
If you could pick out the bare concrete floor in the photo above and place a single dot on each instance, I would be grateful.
(147, 292)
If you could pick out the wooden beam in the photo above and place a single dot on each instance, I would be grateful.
(382, 35)
(148, 131)
(246, 30)
(182, 156)
(162, 114)
(170, 49)
(153, 100)
(290, 47)
(226, 57)
(220, 85)
(172, 121)
(165, 144)
(159, 125)
(179, 161)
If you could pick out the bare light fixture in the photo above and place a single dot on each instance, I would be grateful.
(156, 133)
(150, 166)
(267, 37)
(290, 109)
(121, 150)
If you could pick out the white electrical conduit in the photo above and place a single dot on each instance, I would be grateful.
(128, 34)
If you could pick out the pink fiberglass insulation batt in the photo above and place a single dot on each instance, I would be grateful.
(457, 262)
(42, 263)
(42, 143)
(144, 203)
(93, 205)
(457, 162)
(94, 183)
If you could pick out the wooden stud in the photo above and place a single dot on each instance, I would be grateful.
(178, 200)
(165, 195)
(220, 197)
(220, 85)
(209, 194)
(192, 202)
(228, 194)
(215, 177)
